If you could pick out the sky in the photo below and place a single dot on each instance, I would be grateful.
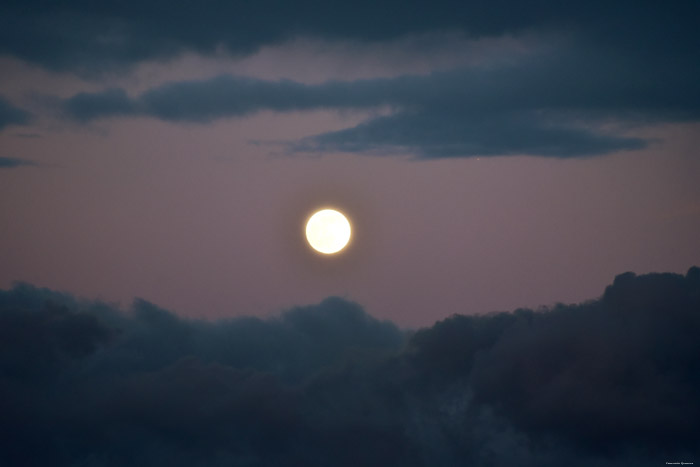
(522, 183)
(489, 156)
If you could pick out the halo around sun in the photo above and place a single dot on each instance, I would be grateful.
(328, 231)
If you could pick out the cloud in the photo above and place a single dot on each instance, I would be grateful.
(74, 35)
(229, 96)
(88, 106)
(83, 382)
(13, 162)
(11, 115)
(609, 376)
(598, 72)
(612, 381)
(435, 136)
(554, 104)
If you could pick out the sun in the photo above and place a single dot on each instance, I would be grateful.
(328, 231)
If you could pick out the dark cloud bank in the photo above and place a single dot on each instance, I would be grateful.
(610, 382)
(86, 35)
(555, 105)
(575, 98)
(605, 66)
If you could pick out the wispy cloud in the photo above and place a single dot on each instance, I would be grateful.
(554, 105)
(13, 162)
(11, 115)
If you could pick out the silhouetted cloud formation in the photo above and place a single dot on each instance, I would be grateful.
(80, 35)
(595, 71)
(11, 115)
(557, 106)
(233, 96)
(614, 381)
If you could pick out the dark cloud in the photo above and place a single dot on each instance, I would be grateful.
(13, 162)
(88, 106)
(601, 68)
(613, 381)
(611, 376)
(557, 106)
(80, 35)
(84, 383)
(434, 136)
(11, 115)
(231, 96)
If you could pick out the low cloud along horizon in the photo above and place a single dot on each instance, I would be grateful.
(611, 381)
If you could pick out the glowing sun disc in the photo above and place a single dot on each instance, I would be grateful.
(328, 231)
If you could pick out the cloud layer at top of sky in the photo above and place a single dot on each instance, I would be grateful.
(604, 63)
(85, 36)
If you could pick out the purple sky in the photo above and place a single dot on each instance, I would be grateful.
(158, 161)
(203, 215)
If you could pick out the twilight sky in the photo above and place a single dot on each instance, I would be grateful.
(489, 154)
(522, 285)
